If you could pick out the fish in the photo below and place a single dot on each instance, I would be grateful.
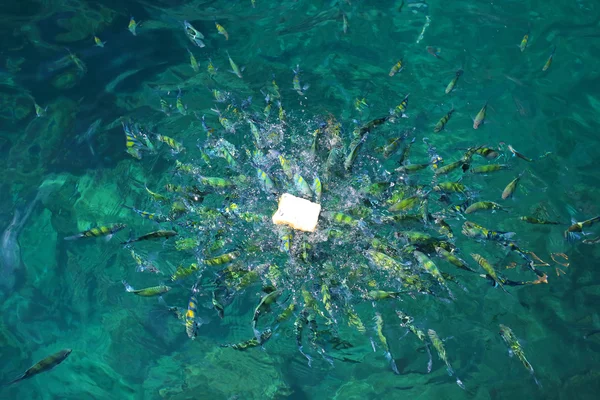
(524, 42)
(299, 323)
(222, 30)
(595, 240)
(429, 266)
(537, 221)
(193, 34)
(474, 231)
(220, 97)
(254, 342)
(165, 107)
(211, 69)
(450, 187)
(193, 61)
(89, 134)
(296, 82)
(454, 81)
(107, 231)
(576, 227)
(446, 169)
(434, 51)
(487, 267)
(99, 42)
(549, 61)
(439, 346)
(234, 68)
(480, 117)
(317, 188)
(183, 272)
(388, 354)
(401, 108)
(148, 215)
(215, 182)
(398, 67)
(179, 104)
(286, 236)
(281, 112)
(10, 250)
(225, 123)
(222, 259)
(484, 205)
(39, 110)
(381, 295)
(360, 104)
(391, 147)
(147, 292)
(355, 145)
(77, 61)
(516, 153)
(345, 24)
(267, 183)
(486, 169)
(425, 25)
(452, 259)
(192, 321)
(340, 218)
(405, 204)
(487, 152)
(406, 321)
(444, 229)
(44, 365)
(217, 305)
(515, 348)
(411, 168)
(302, 186)
(509, 190)
(175, 146)
(161, 233)
(264, 306)
(443, 121)
(132, 26)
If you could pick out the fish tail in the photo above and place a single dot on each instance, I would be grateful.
(593, 220)
(14, 381)
(501, 286)
(309, 358)
(535, 379)
(393, 365)
(74, 237)
(128, 287)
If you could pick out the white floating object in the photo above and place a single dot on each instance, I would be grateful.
(297, 213)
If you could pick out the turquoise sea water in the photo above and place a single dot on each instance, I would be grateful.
(66, 170)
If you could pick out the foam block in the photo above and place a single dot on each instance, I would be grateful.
(297, 213)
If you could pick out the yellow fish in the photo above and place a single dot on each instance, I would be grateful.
(99, 42)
